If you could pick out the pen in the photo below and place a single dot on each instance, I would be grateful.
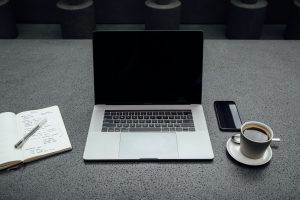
(24, 139)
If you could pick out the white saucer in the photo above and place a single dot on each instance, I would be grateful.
(234, 150)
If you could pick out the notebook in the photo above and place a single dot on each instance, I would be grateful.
(51, 138)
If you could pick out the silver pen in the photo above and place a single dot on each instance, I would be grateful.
(25, 138)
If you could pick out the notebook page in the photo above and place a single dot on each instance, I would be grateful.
(50, 138)
(8, 137)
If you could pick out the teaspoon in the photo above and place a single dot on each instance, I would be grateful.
(236, 139)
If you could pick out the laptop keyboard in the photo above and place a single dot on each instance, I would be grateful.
(148, 121)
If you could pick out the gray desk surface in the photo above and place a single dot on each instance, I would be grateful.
(262, 77)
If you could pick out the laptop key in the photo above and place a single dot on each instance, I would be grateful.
(186, 125)
(107, 117)
(109, 125)
(192, 129)
(111, 130)
(104, 130)
(179, 129)
(185, 129)
(124, 130)
(108, 121)
(188, 121)
(165, 129)
(172, 129)
(144, 129)
(117, 129)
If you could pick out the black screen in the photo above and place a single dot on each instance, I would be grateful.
(148, 67)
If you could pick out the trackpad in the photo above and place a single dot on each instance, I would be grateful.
(148, 146)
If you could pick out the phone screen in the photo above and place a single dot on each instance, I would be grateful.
(228, 116)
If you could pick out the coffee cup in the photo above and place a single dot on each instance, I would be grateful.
(255, 138)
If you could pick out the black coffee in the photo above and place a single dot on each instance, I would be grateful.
(256, 135)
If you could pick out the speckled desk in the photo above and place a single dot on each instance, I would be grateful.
(262, 77)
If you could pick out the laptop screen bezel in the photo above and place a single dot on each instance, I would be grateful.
(97, 86)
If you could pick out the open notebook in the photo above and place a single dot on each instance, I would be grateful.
(51, 138)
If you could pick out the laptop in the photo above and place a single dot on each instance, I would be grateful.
(148, 88)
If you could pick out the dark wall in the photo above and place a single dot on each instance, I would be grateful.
(132, 11)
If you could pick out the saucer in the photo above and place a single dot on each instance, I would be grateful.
(234, 151)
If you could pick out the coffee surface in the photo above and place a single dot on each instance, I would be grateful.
(256, 135)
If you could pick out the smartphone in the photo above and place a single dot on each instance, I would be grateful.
(228, 116)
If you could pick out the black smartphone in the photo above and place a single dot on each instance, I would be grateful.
(227, 115)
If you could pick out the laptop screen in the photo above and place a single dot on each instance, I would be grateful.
(148, 67)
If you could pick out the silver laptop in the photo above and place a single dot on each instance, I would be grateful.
(148, 87)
